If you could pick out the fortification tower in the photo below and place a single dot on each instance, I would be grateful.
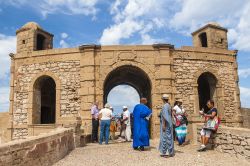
(31, 37)
(211, 35)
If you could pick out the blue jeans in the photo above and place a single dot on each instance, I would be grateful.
(105, 124)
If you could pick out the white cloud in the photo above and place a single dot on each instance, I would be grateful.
(147, 39)
(231, 14)
(85, 7)
(16, 3)
(123, 95)
(64, 35)
(46, 7)
(7, 45)
(244, 73)
(4, 99)
(240, 35)
(123, 30)
(245, 96)
(63, 44)
(135, 17)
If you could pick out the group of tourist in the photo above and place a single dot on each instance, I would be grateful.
(173, 125)
(109, 124)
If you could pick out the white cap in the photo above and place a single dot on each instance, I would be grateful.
(165, 96)
(107, 105)
(124, 107)
(179, 100)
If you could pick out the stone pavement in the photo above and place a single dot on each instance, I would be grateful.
(121, 154)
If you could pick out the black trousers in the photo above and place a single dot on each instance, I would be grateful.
(95, 126)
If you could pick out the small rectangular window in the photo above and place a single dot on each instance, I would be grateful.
(23, 41)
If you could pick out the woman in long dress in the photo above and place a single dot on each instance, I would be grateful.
(181, 126)
(166, 129)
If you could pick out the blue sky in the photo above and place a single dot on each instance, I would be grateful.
(76, 22)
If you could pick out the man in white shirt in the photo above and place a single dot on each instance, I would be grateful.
(105, 115)
(126, 122)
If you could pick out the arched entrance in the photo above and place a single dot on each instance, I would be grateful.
(44, 101)
(129, 75)
(132, 76)
(123, 95)
(206, 89)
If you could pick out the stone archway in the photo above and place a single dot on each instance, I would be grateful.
(206, 89)
(133, 76)
(129, 75)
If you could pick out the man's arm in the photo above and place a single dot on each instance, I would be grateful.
(93, 112)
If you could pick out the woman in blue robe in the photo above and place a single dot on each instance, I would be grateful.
(141, 115)
(166, 129)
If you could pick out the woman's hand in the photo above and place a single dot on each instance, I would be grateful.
(164, 127)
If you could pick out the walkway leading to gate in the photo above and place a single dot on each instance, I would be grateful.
(121, 154)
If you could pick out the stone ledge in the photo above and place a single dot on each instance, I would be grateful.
(235, 141)
(44, 149)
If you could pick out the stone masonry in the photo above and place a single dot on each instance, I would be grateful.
(185, 71)
(233, 141)
(53, 87)
(66, 71)
(42, 150)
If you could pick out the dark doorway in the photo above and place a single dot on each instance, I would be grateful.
(40, 40)
(44, 106)
(206, 89)
(203, 39)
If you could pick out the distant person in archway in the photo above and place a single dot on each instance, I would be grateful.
(166, 129)
(113, 126)
(105, 115)
(126, 123)
(95, 122)
(141, 115)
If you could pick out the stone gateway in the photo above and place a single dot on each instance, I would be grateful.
(53, 87)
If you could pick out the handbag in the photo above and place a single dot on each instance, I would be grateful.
(184, 120)
(177, 121)
(212, 124)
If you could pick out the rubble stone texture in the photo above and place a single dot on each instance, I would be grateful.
(52, 87)
(228, 140)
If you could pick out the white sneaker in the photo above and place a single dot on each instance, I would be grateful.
(202, 148)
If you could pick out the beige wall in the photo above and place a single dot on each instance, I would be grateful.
(246, 117)
(80, 74)
(234, 141)
(4, 121)
(80, 77)
(41, 150)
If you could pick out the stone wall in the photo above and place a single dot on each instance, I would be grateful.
(45, 149)
(68, 74)
(187, 72)
(246, 117)
(235, 141)
(4, 121)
